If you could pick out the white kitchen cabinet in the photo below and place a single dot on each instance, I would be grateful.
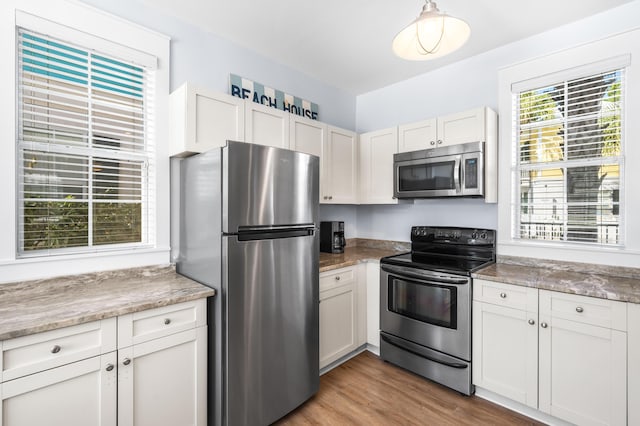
(202, 119)
(266, 126)
(77, 394)
(505, 340)
(417, 136)
(309, 136)
(144, 368)
(583, 359)
(373, 304)
(633, 355)
(376, 166)
(341, 167)
(579, 347)
(342, 313)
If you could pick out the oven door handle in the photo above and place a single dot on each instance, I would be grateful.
(406, 272)
(420, 351)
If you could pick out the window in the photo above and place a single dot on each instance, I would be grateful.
(85, 159)
(569, 158)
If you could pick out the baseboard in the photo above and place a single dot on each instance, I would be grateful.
(520, 408)
(344, 359)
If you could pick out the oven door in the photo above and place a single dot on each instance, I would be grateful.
(428, 177)
(428, 308)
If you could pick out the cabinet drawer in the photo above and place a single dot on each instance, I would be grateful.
(508, 295)
(584, 309)
(38, 352)
(332, 279)
(151, 324)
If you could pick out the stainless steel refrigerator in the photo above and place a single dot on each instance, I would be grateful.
(248, 228)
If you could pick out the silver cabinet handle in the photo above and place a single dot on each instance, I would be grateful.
(433, 142)
(531, 322)
(543, 325)
(126, 361)
(110, 367)
(439, 141)
(330, 197)
(337, 278)
(167, 321)
(55, 349)
(579, 309)
(503, 295)
(325, 197)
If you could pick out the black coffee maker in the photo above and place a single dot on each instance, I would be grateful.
(332, 237)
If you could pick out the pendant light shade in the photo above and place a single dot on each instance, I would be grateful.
(432, 35)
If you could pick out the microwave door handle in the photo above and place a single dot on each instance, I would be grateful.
(456, 174)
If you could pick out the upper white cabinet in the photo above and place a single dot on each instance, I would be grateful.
(266, 126)
(376, 166)
(203, 119)
(567, 352)
(340, 167)
(475, 125)
(310, 136)
(417, 136)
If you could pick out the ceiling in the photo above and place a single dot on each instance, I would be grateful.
(347, 43)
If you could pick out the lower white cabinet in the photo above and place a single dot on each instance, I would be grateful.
(342, 313)
(372, 270)
(563, 354)
(633, 384)
(156, 375)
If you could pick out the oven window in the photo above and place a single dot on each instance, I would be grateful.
(430, 303)
(427, 177)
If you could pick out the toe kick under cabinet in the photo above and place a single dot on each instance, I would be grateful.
(143, 368)
(562, 354)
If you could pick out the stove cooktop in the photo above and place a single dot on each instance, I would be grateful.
(431, 262)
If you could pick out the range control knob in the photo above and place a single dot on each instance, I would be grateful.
(474, 235)
(483, 235)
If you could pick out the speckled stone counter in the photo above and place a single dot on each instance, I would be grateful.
(35, 306)
(604, 282)
(361, 250)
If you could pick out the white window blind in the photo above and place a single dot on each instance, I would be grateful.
(569, 147)
(85, 157)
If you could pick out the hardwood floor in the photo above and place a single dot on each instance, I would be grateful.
(368, 391)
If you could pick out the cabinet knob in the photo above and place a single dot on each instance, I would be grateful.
(167, 321)
(531, 322)
(579, 309)
(55, 349)
(503, 295)
(126, 361)
(325, 197)
(432, 142)
(337, 277)
(439, 141)
(543, 325)
(109, 367)
(330, 197)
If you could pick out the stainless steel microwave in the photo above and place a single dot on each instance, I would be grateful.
(448, 171)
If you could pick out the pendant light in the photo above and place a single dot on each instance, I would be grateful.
(432, 35)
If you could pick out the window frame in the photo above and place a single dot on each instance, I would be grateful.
(95, 25)
(616, 51)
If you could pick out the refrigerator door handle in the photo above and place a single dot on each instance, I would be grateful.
(274, 228)
(270, 234)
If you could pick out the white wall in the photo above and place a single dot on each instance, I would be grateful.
(207, 60)
(463, 85)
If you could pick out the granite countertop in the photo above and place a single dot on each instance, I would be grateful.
(361, 250)
(35, 306)
(621, 284)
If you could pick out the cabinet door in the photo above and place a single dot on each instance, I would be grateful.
(202, 119)
(634, 366)
(266, 126)
(163, 382)
(310, 137)
(373, 303)
(341, 168)
(462, 127)
(376, 166)
(505, 352)
(416, 136)
(583, 370)
(77, 394)
(338, 323)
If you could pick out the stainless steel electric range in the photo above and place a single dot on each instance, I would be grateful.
(425, 302)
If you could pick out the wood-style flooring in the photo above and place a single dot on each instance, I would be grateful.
(368, 391)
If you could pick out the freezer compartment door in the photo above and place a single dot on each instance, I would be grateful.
(264, 186)
(272, 351)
